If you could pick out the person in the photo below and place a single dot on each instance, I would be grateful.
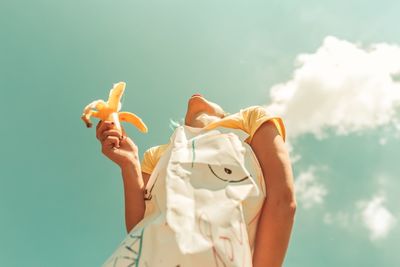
(266, 139)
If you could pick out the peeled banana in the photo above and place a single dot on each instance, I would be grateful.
(110, 110)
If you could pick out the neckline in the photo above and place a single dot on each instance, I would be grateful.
(193, 129)
(208, 126)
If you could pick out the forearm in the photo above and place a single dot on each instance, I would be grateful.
(134, 195)
(273, 233)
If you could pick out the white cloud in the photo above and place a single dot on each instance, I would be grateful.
(376, 217)
(309, 191)
(341, 87)
(372, 214)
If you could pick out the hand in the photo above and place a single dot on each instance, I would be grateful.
(115, 145)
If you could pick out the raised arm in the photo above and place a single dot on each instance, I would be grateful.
(133, 180)
(123, 151)
(134, 194)
(277, 216)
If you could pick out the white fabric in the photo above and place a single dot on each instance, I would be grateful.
(205, 195)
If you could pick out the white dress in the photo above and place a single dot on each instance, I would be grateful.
(204, 199)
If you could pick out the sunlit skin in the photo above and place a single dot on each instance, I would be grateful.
(200, 112)
(277, 216)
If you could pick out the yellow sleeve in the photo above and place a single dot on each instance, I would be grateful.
(151, 157)
(254, 116)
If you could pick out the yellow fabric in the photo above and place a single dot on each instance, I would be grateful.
(248, 120)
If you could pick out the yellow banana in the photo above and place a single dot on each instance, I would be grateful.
(110, 110)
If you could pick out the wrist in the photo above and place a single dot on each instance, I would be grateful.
(132, 174)
(129, 165)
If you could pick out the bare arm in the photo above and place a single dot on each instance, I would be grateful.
(134, 183)
(123, 151)
(277, 216)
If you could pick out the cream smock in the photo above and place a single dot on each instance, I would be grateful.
(204, 197)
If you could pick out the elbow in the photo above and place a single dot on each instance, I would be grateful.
(284, 204)
(292, 206)
(291, 202)
(288, 207)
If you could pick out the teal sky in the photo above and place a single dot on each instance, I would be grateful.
(61, 200)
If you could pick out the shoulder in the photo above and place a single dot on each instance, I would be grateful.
(255, 116)
(151, 157)
(156, 149)
(254, 111)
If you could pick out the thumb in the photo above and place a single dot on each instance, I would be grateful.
(123, 135)
(123, 132)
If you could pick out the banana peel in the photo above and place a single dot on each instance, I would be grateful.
(110, 110)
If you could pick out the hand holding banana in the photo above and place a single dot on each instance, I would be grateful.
(115, 144)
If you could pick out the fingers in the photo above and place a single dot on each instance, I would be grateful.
(109, 137)
(108, 133)
(123, 137)
(111, 142)
(103, 126)
(98, 124)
